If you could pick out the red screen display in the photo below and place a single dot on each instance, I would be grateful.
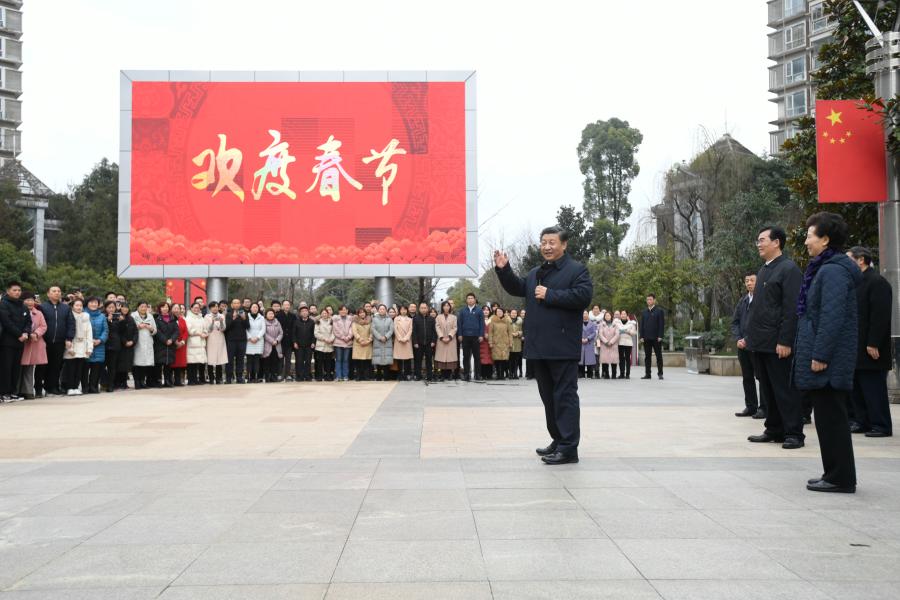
(298, 173)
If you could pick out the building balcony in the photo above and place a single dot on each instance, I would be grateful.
(11, 23)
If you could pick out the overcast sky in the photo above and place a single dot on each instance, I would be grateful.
(669, 68)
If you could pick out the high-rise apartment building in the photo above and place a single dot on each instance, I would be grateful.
(800, 28)
(10, 79)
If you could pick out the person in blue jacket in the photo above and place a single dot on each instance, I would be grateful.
(470, 333)
(97, 359)
(825, 356)
(556, 295)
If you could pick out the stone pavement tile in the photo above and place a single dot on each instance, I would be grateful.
(789, 524)
(297, 591)
(290, 527)
(526, 560)
(775, 481)
(878, 524)
(37, 530)
(412, 526)
(126, 468)
(418, 480)
(18, 561)
(111, 484)
(409, 591)
(535, 524)
(627, 499)
(712, 463)
(14, 504)
(744, 497)
(701, 559)
(165, 529)
(415, 500)
(521, 499)
(704, 479)
(427, 465)
(263, 563)
(476, 465)
(335, 465)
(740, 590)
(864, 498)
(573, 590)
(11, 469)
(30, 483)
(323, 481)
(413, 561)
(113, 566)
(827, 560)
(868, 590)
(185, 503)
(220, 482)
(249, 466)
(658, 524)
(121, 593)
(309, 501)
(512, 479)
(603, 479)
(87, 505)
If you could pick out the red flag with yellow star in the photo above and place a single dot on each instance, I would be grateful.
(850, 153)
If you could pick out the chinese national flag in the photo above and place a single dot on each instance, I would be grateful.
(175, 289)
(850, 152)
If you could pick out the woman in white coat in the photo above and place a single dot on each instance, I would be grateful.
(256, 332)
(627, 334)
(196, 344)
(78, 350)
(144, 359)
(216, 347)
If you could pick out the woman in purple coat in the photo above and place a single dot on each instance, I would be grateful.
(588, 362)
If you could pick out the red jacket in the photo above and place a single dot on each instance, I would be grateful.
(181, 353)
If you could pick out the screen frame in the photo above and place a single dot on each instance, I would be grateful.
(126, 270)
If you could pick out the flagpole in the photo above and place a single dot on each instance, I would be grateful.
(883, 64)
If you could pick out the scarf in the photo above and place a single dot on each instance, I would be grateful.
(811, 270)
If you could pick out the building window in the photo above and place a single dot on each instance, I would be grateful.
(795, 36)
(819, 18)
(795, 104)
(793, 7)
(795, 70)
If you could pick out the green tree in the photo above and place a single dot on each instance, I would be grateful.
(580, 245)
(606, 156)
(18, 265)
(14, 224)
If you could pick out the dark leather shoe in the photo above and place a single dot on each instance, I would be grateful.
(813, 481)
(760, 414)
(792, 443)
(660, 377)
(546, 451)
(763, 438)
(857, 428)
(877, 434)
(745, 413)
(646, 377)
(558, 458)
(824, 486)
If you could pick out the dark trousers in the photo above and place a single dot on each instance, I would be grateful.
(651, 347)
(515, 365)
(237, 350)
(72, 374)
(272, 365)
(10, 365)
(287, 353)
(214, 373)
(424, 354)
(471, 350)
(304, 363)
(253, 367)
(92, 378)
(47, 377)
(833, 429)
(405, 366)
(112, 366)
(784, 416)
(558, 385)
(745, 358)
(625, 362)
(324, 366)
(871, 407)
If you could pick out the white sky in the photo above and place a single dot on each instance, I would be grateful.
(669, 68)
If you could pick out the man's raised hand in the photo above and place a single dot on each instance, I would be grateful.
(500, 259)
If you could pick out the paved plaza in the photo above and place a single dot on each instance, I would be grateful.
(404, 491)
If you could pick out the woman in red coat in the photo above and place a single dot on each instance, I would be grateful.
(484, 349)
(180, 364)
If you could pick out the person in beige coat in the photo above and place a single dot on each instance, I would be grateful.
(501, 342)
(216, 347)
(608, 342)
(77, 351)
(196, 344)
(403, 350)
(446, 354)
(362, 345)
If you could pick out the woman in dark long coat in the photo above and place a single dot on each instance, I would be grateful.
(165, 344)
(126, 354)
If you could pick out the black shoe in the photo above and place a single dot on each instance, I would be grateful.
(824, 486)
(813, 481)
(764, 438)
(745, 413)
(760, 414)
(877, 434)
(857, 428)
(546, 451)
(807, 420)
(646, 377)
(558, 458)
(792, 443)
(660, 377)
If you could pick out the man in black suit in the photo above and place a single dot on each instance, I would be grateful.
(424, 339)
(753, 405)
(653, 328)
(556, 295)
(770, 335)
(871, 412)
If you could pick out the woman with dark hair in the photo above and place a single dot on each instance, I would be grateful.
(196, 344)
(272, 352)
(484, 347)
(446, 356)
(116, 324)
(324, 363)
(165, 346)
(216, 346)
(382, 342)
(144, 348)
(588, 363)
(179, 367)
(362, 345)
(97, 359)
(515, 351)
(129, 337)
(500, 342)
(256, 331)
(403, 347)
(825, 348)
(341, 328)
(79, 346)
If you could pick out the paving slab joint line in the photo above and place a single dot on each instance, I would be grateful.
(350, 531)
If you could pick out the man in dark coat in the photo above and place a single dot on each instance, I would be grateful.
(771, 329)
(469, 334)
(286, 317)
(58, 315)
(753, 404)
(15, 321)
(303, 334)
(653, 328)
(874, 298)
(424, 339)
(556, 295)
(236, 341)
